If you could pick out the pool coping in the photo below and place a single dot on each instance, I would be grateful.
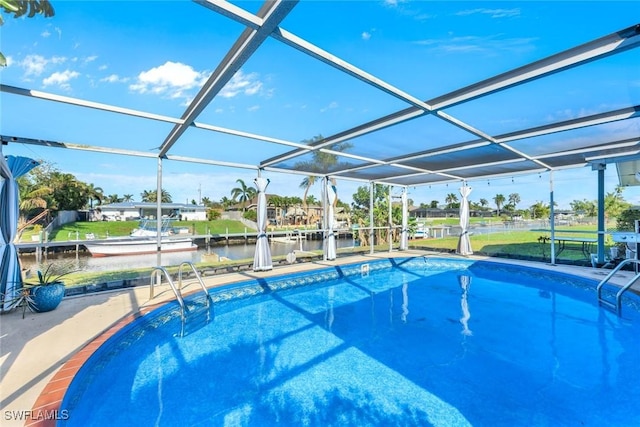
(46, 408)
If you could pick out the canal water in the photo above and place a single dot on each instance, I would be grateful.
(84, 261)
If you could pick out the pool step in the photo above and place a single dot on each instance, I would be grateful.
(200, 314)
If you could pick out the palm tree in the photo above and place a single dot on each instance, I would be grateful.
(93, 193)
(69, 193)
(321, 162)
(514, 199)
(540, 210)
(152, 196)
(242, 193)
(146, 195)
(307, 183)
(31, 197)
(450, 200)
(225, 202)
(484, 203)
(499, 200)
(276, 202)
(287, 202)
(127, 198)
(113, 198)
(614, 203)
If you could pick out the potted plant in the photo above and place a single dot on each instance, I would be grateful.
(22, 300)
(47, 293)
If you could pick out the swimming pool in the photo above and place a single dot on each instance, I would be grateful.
(415, 341)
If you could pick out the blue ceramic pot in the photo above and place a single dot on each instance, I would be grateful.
(47, 298)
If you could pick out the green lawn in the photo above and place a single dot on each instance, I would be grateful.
(103, 229)
(514, 243)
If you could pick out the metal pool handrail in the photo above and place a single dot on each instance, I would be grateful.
(617, 305)
(162, 270)
(202, 285)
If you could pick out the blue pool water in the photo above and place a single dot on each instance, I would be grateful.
(411, 342)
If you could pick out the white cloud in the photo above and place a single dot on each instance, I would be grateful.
(59, 31)
(493, 13)
(60, 78)
(253, 108)
(171, 80)
(488, 45)
(114, 78)
(392, 3)
(33, 65)
(90, 58)
(45, 34)
(174, 80)
(332, 105)
(172, 74)
(366, 35)
(241, 83)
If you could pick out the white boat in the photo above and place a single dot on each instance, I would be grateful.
(421, 232)
(142, 240)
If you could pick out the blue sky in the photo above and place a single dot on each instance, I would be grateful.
(154, 56)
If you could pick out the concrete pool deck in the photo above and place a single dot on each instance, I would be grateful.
(40, 347)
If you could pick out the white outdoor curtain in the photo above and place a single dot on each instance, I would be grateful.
(464, 244)
(10, 275)
(404, 243)
(262, 258)
(330, 241)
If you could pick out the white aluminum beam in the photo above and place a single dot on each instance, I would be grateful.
(109, 150)
(593, 120)
(617, 42)
(72, 146)
(242, 16)
(249, 41)
(614, 43)
(608, 146)
(345, 136)
(581, 122)
(142, 114)
(88, 104)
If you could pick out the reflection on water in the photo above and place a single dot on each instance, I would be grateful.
(465, 283)
(86, 262)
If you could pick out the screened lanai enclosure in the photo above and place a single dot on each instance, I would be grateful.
(521, 104)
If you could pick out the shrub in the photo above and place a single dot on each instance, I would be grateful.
(251, 215)
(213, 214)
(626, 219)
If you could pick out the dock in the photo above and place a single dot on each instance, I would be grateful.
(201, 240)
